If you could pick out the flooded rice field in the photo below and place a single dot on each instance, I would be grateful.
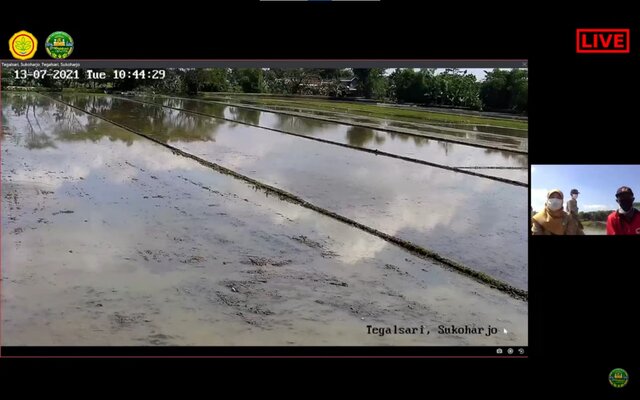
(430, 207)
(112, 239)
(513, 137)
(411, 146)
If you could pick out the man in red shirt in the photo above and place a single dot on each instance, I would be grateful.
(626, 219)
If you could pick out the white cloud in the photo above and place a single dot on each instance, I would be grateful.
(538, 198)
(596, 207)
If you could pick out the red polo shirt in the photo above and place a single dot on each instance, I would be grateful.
(618, 225)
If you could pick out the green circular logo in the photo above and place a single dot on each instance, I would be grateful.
(59, 45)
(618, 378)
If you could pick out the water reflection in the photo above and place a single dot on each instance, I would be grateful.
(133, 251)
(291, 123)
(453, 214)
(460, 131)
(245, 115)
(360, 137)
(44, 122)
(516, 160)
(425, 124)
(164, 123)
(217, 110)
(402, 144)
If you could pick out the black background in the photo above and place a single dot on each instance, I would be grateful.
(583, 110)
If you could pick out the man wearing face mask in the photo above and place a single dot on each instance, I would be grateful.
(626, 219)
(553, 220)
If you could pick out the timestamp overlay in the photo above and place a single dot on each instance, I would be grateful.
(70, 71)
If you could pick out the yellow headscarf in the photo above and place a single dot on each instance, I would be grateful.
(550, 220)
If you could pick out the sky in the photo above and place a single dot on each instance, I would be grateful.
(597, 184)
(478, 72)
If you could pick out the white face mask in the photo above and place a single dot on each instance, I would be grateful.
(575, 196)
(554, 204)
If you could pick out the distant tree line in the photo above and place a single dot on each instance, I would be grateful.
(502, 90)
(599, 215)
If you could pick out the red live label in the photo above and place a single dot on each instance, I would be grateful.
(602, 40)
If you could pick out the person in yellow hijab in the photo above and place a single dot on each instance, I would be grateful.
(553, 220)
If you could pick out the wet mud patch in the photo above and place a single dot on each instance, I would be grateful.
(324, 252)
(264, 261)
(393, 306)
(158, 256)
(396, 269)
(123, 320)
(243, 300)
(63, 212)
(193, 260)
(158, 339)
(305, 240)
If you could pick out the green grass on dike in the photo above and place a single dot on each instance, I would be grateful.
(373, 110)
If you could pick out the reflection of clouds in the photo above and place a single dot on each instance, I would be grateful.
(394, 196)
(398, 182)
(148, 156)
(351, 244)
(401, 213)
(262, 145)
(443, 198)
(422, 148)
(82, 157)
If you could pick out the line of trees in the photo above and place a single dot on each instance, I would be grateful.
(594, 215)
(599, 215)
(502, 90)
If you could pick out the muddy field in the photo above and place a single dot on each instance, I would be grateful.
(430, 207)
(111, 239)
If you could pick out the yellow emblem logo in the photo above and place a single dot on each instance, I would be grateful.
(23, 45)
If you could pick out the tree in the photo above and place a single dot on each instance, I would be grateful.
(346, 73)
(407, 86)
(191, 81)
(371, 82)
(458, 89)
(506, 90)
(249, 80)
(326, 73)
(172, 83)
(213, 80)
(274, 80)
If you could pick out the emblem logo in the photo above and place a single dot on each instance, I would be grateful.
(59, 45)
(23, 45)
